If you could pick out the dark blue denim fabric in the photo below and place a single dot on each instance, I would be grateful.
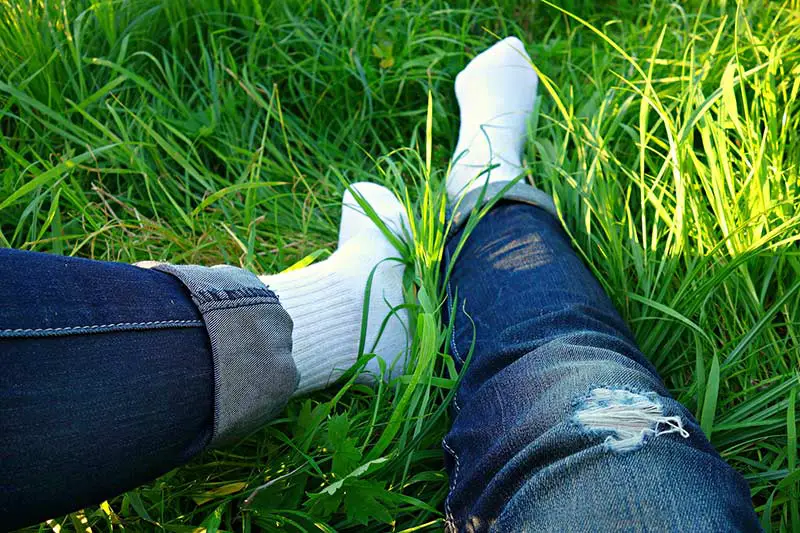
(533, 446)
(113, 374)
(106, 382)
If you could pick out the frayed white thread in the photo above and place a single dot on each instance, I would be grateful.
(630, 416)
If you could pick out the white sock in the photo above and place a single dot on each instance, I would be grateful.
(496, 92)
(326, 300)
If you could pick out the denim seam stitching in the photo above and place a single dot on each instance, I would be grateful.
(453, 344)
(448, 511)
(98, 326)
(234, 304)
(218, 295)
(453, 335)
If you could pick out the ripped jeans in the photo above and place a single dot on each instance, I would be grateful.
(560, 423)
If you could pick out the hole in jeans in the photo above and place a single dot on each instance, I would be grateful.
(629, 416)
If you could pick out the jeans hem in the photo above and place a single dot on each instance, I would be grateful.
(518, 191)
(250, 334)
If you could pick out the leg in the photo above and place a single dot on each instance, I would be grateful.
(111, 374)
(89, 415)
(560, 423)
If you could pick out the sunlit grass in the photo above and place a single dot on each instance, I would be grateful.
(215, 131)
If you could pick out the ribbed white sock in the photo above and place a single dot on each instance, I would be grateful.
(496, 92)
(326, 300)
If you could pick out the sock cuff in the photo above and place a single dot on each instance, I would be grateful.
(324, 307)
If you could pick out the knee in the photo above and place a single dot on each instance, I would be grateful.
(569, 367)
(666, 485)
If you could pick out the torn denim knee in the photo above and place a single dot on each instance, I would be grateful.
(630, 418)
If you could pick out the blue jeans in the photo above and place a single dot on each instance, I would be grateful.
(112, 374)
(559, 423)
(85, 415)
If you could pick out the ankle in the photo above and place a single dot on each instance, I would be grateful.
(326, 301)
(496, 93)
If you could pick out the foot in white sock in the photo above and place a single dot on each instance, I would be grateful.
(326, 300)
(496, 93)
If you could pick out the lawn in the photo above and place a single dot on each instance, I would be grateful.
(217, 131)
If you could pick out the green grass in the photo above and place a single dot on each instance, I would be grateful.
(220, 131)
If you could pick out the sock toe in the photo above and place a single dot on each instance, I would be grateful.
(504, 61)
(392, 346)
(508, 52)
(383, 201)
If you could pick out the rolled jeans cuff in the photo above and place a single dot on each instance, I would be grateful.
(251, 345)
(518, 192)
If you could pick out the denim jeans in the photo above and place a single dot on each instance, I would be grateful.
(111, 375)
(560, 423)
